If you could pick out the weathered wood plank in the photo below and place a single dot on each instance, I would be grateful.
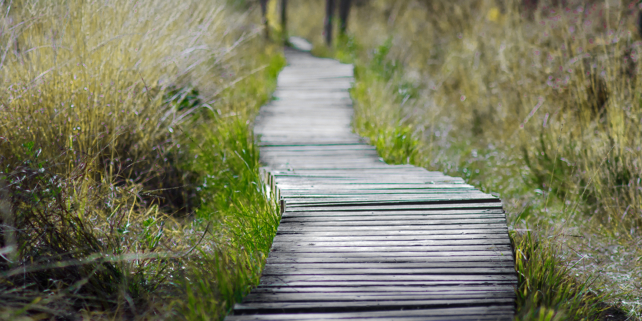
(365, 216)
(495, 312)
(353, 280)
(389, 235)
(282, 271)
(373, 186)
(395, 265)
(320, 306)
(441, 199)
(322, 317)
(398, 256)
(399, 207)
(313, 193)
(381, 234)
(389, 223)
(384, 290)
(321, 243)
(399, 217)
(388, 296)
(449, 212)
(387, 249)
(377, 229)
(270, 282)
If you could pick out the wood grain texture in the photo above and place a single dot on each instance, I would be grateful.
(360, 239)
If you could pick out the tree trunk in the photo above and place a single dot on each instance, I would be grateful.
(344, 12)
(284, 20)
(264, 17)
(329, 13)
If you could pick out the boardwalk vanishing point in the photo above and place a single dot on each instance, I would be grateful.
(360, 239)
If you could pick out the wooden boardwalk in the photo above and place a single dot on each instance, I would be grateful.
(363, 240)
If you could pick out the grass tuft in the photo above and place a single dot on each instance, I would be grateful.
(547, 290)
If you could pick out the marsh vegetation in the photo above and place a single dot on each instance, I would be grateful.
(129, 184)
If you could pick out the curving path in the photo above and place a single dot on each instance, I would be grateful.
(363, 240)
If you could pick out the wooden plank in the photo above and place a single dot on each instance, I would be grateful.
(384, 169)
(377, 280)
(387, 215)
(438, 248)
(381, 179)
(353, 173)
(388, 296)
(324, 242)
(301, 217)
(351, 183)
(501, 230)
(387, 249)
(395, 265)
(398, 238)
(395, 220)
(375, 186)
(393, 212)
(292, 191)
(378, 225)
(352, 305)
(381, 166)
(477, 257)
(382, 201)
(353, 280)
(284, 228)
(383, 290)
(385, 197)
(282, 271)
(312, 193)
(370, 256)
(399, 207)
(387, 178)
(494, 312)
(322, 316)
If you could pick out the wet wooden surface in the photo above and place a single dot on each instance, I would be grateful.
(360, 239)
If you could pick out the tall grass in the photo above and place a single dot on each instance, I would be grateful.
(128, 180)
(539, 105)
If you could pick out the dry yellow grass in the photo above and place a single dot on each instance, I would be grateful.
(113, 115)
(90, 79)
